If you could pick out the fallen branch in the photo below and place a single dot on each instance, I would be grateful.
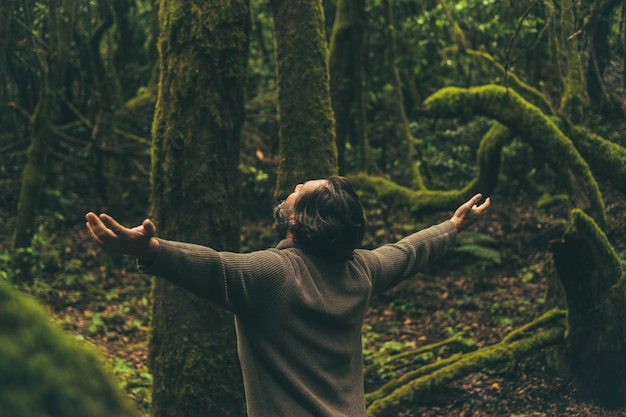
(403, 392)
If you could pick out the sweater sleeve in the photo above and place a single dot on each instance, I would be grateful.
(393, 263)
(238, 282)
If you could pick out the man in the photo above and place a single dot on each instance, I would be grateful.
(299, 307)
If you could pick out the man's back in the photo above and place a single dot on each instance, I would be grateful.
(299, 317)
(301, 356)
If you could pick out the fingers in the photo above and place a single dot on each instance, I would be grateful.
(93, 234)
(149, 227)
(102, 228)
(473, 202)
(485, 205)
(112, 224)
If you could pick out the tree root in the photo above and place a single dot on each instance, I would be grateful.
(421, 383)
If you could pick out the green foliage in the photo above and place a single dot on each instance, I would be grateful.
(478, 246)
(135, 380)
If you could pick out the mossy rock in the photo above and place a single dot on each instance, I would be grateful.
(45, 372)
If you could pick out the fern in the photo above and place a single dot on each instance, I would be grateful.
(477, 245)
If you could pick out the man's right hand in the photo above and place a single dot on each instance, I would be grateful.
(138, 242)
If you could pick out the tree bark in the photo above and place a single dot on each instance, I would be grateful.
(595, 291)
(573, 96)
(307, 133)
(598, 27)
(347, 55)
(398, 145)
(195, 198)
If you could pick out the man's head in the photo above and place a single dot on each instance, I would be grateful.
(324, 217)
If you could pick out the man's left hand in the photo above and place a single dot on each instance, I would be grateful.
(470, 212)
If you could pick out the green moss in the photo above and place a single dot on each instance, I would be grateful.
(528, 92)
(195, 198)
(395, 396)
(595, 289)
(418, 201)
(572, 99)
(601, 248)
(307, 136)
(489, 157)
(607, 159)
(534, 127)
(45, 372)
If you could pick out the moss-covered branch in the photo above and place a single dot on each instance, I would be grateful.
(453, 341)
(528, 92)
(385, 400)
(533, 126)
(607, 159)
(417, 201)
(489, 157)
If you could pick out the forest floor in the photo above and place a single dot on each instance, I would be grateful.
(103, 301)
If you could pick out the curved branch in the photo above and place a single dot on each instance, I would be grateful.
(489, 157)
(510, 109)
(606, 158)
(418, 202)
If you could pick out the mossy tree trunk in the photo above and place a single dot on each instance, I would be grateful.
(573, 96)
(595, 293)
(554, 73)
(599, 58)
(52, 67)
(346, 62)
(6, 13)
(195, 198)
(398, 145)
(307, 133)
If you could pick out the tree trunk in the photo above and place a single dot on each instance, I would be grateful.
(348, 78)
(398, 148)
(599, 57)
(573, 96)
(52, 73)
(595, 292)
(307, 135)
(195, 198)
(6, 13)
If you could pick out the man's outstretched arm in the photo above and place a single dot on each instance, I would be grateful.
(138, 242)
(403, 259)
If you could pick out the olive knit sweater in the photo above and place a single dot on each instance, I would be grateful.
(298, 317)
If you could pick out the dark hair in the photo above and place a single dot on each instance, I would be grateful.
(329, 221)
(282, 213)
